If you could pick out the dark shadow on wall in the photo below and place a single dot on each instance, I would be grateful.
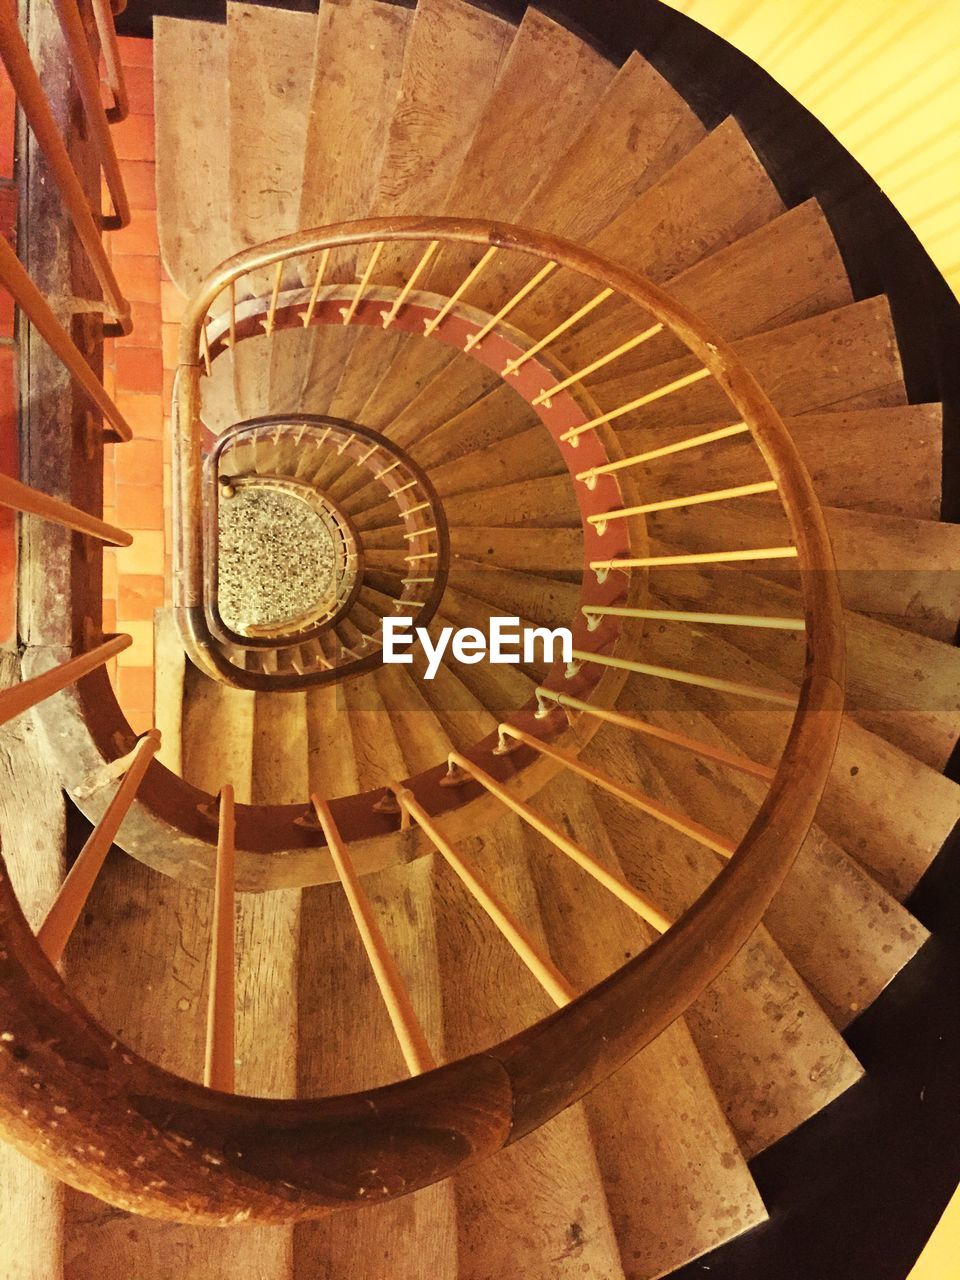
(856, 1191)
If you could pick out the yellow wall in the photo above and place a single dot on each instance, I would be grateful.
(884, 77)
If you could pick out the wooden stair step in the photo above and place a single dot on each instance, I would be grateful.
(139, 960)
(772, 1054)
(554, 552)
(270, 68)
(887, 810)
(217, 735)
(714, 195)
(662, 1101)
(169, 673)
(550, 80)
(192, 150)
(280, 749)
(357, 67)
(219, 408)
(461, 713)
(897, 569)
(500, 688)
(845, 935)
(540, 599)
(899, 684)
(786, 270)
(547, 501)
(453, 56)
(526, 456)
(425, 740)
(826, 442)
(464, 609)
(846, 358)
(545, 1193)
(347, 1043)
(638, 130)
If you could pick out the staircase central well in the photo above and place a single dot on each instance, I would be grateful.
(280, 564)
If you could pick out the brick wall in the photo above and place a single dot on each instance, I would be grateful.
(139, 374)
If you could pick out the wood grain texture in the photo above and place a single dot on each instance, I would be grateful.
(662, 1102)
(270, 67)
(825, 442)
(845, 359)
(545, 1194)
(193, 149)
(32, 840)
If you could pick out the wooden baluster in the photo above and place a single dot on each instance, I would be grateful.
(589, 477)
(451, 302)
(580, 656)
(601, 520)
(678, 821)
(545, 397)
(20, 497)
(218, 1067)
(391, 315)
(413, 1043)
(616, 885)
(694, 745)
(512, 366)
(572, 436)
(21, 697)
(539, 964)
(63, 915)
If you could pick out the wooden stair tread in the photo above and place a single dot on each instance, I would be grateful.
(899, 570)
(787, 270)
(900, 684)
(843, 359)
(825, 440)
(662, 1100)
(545, 1193)
(270, 64)
(138, 960)
(887, 810)
(772, 1054)
(192, 150)
(843, 933)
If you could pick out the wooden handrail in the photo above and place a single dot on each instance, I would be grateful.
(14, 278)
(88, 86)
(20, 497)
(280, 1161)
(21, 697)
(60, 921)
(30, 94)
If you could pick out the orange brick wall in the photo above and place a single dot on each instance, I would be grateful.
(137, 474)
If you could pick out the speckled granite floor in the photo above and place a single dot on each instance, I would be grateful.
(276, 559)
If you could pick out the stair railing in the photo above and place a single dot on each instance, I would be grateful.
(82, 1103)
(88, 223)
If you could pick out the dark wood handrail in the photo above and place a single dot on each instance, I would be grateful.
(210, 1157)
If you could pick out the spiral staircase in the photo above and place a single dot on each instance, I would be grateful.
(523, 339)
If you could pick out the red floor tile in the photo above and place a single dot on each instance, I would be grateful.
(138, 596)
(139, 369)
(139, 507)
(138, 276)
(144, 414)
(133, 138)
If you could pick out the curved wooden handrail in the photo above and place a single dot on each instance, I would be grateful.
(209, 1157)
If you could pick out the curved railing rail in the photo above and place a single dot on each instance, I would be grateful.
(82, 1103)
(420, 514)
